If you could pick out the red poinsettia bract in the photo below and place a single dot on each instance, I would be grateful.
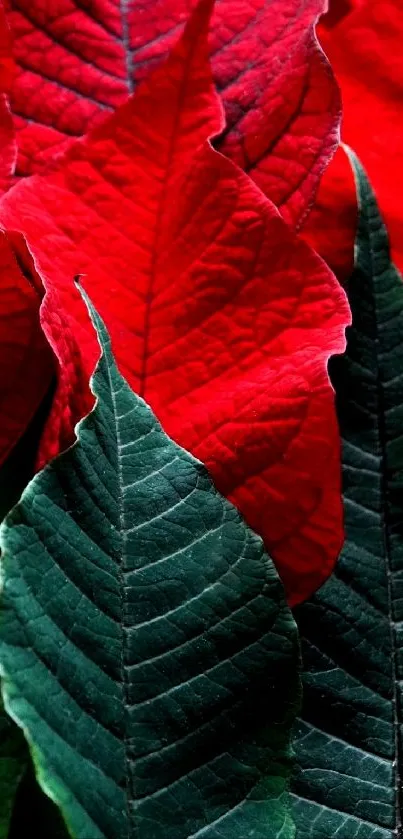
(364, 43)
(26, 363)
(281, 102)
(219, 316)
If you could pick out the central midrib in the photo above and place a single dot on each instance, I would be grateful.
(158, 227)
(123, 4)
(142, 384)
(121, 575)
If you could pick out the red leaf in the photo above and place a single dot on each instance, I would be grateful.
(26, 364)
(219, 315)
(77, 59)
(332, 223)
(8, 146)
(281, 102)
(363, 39)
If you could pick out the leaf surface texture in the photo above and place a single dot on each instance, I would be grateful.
(77, 60)
(220, 316)
(348, 782)
(146, 645)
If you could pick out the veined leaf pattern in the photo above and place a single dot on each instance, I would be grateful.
(348, 781)
(146, 645)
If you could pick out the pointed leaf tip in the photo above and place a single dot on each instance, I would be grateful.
(209, 321)
(146, 646)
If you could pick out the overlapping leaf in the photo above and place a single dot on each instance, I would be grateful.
(332, 223)
(349, 740)
(146, 645)
(77, 60)
(71, 68)
(281, 102)
(25, 359)
(26, 365)
(220, 316)
(363, 41)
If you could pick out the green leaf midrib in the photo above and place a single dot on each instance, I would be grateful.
(201, 732)
(121, 577)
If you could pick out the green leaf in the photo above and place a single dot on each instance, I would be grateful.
(348, 777)
(146, 646)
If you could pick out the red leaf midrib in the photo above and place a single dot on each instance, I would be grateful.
(159, 224)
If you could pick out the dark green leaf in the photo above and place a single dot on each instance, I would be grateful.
(146, 645)
(347, 782)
